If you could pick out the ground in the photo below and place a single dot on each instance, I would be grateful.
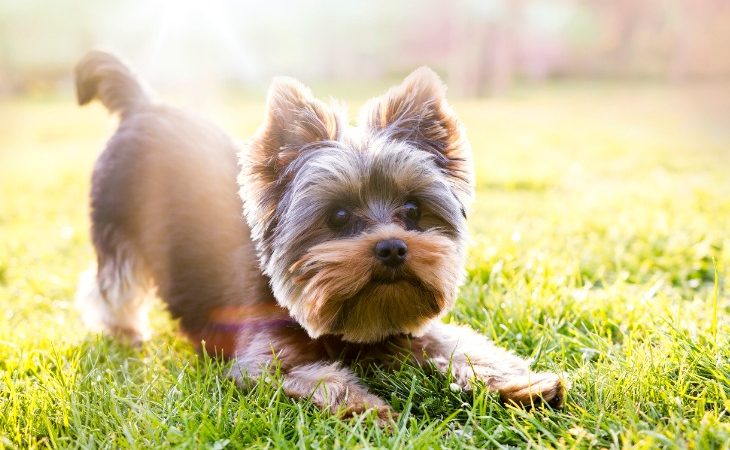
(601, 242)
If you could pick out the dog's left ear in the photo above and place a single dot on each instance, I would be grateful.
(416, 111)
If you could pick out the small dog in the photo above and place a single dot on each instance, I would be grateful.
(353, 242)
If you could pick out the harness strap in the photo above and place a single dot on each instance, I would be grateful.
(220, 334)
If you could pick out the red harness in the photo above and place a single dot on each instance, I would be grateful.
(220, 334)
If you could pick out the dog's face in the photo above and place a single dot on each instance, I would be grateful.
(360, 229)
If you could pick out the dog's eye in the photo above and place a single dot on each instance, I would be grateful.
(339, 218)
(411, 210)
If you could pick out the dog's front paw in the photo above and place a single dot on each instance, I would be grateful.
(334, 388)
(533, 389)
(357, 403)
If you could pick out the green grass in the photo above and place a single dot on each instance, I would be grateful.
(601, 242)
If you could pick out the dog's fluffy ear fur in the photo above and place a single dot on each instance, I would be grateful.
(416, 111)
(294, 122)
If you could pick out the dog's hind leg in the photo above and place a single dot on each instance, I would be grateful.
(114, 296)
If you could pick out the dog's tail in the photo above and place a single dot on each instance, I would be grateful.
(103, 76)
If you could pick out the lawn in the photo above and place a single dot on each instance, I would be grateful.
(601, 244)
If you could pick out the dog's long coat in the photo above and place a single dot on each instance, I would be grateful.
(312, 279)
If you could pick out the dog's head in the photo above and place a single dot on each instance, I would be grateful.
(361, 229)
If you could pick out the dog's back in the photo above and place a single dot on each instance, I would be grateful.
(165, 210)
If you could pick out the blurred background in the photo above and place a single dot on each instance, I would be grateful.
(481, 47)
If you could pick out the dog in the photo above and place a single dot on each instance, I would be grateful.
(352, 246)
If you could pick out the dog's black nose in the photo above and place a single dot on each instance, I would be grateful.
(391, 252)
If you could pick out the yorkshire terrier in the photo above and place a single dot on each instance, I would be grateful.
(352, 247)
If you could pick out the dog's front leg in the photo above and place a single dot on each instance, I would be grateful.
(307, 373)
(334, 387)
(469, 355)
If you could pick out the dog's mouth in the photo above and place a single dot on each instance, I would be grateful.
(341, 288)
(385, 275)
(392, 302)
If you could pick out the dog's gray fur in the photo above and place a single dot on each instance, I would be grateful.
(166, 216)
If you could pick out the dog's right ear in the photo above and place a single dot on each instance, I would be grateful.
(294, 122)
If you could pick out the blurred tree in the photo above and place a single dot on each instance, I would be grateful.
(482, 46)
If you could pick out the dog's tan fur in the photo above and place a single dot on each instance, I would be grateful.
(339, 271)
(289, 285)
